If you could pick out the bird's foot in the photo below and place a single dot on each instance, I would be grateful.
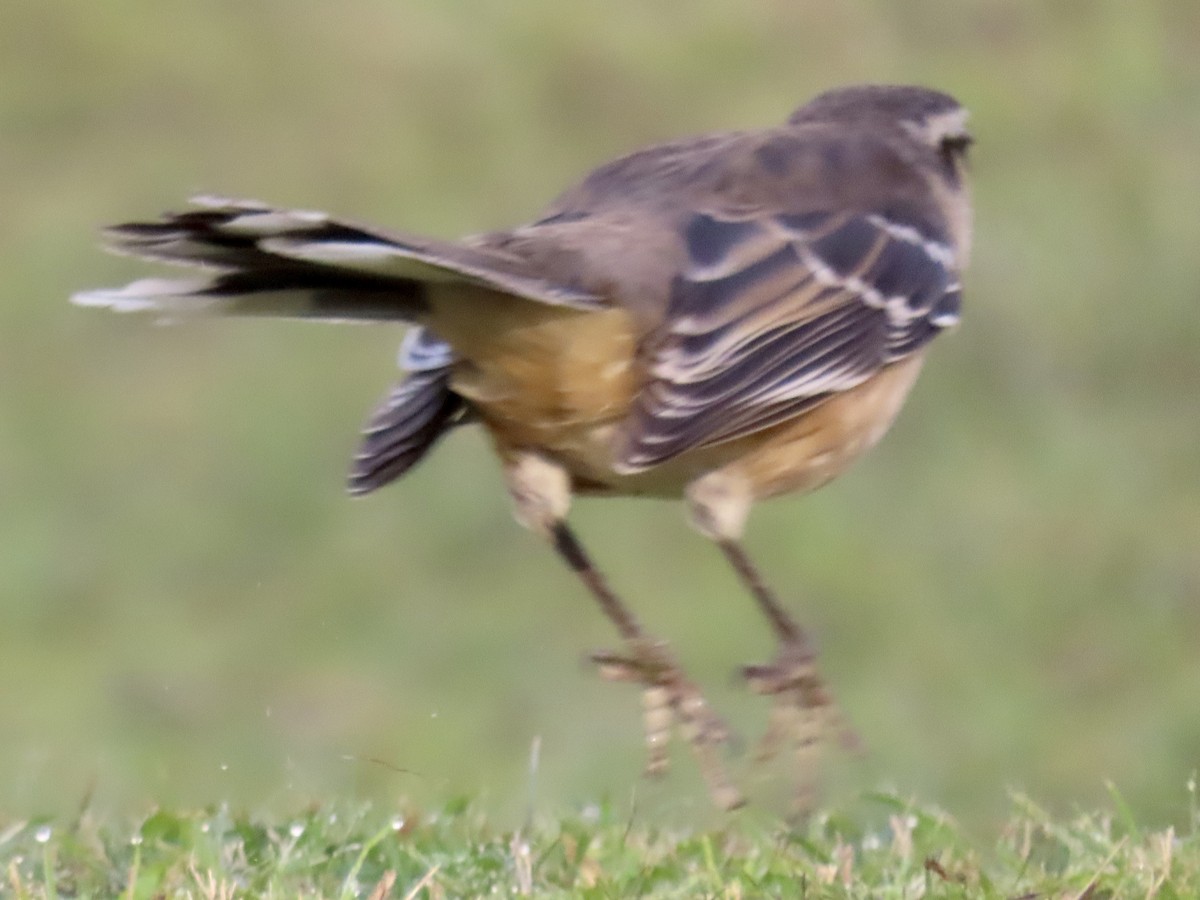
(803, 712)
(670, 698)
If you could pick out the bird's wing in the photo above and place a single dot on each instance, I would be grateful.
(275, 262)
(772, 314)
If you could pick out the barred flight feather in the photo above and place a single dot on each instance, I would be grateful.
(773, 316)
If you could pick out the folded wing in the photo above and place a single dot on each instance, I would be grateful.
(773, 314)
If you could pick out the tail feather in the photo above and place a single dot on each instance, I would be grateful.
(301, 263)
(262, 294)
(418, 411)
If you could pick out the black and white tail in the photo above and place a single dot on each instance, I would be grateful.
(263, 261)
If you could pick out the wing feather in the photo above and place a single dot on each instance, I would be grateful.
(774, 314)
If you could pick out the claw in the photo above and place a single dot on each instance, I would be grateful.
(803, 711)
(670, 699)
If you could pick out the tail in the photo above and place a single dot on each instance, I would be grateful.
(413, 417)
(302, 264)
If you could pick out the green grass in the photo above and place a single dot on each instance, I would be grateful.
(1006, 592)
(889, 848)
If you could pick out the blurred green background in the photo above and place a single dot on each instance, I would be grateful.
(1006, 593)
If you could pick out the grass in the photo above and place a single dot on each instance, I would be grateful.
(1005, 592)
(889, 847)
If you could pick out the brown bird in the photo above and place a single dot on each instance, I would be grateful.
(722, 318)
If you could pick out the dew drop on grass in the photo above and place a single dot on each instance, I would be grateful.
(42, 834)
(296, 830)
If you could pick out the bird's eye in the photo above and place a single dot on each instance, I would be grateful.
(956, 145)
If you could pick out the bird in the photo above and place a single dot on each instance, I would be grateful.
(721, 319)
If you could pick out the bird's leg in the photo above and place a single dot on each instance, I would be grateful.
(541, 492)
(802, 706)
(669, 697)
(801, 695)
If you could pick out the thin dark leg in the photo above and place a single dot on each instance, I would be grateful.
(803, 707)
(572, 551)
(786, 628)
(669, 697)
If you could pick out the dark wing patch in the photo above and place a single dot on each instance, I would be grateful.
(844, 248)
(773, 315)
(417, 412)
(710, 240)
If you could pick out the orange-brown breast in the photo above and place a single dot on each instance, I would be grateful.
(807, 452)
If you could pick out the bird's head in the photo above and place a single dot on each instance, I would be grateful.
(933, 119)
